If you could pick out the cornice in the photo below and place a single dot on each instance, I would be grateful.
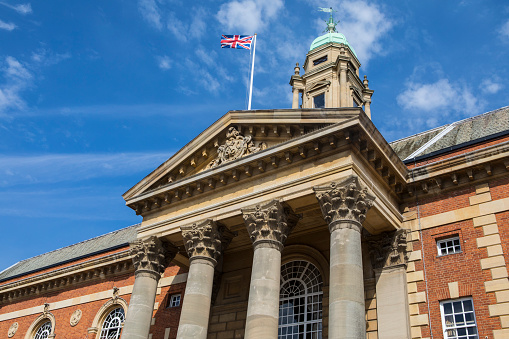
(78, 273)
(459, 170)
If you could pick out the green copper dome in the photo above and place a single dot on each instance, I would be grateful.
(331, 37)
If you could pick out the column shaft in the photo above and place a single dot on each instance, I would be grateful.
(295, 101)
(342, 88)
(141, 306)
(263, 306)
(194, 318)
(346, 292)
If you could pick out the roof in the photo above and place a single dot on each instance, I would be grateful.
(338, 38)
(100, 244)
(458, 134)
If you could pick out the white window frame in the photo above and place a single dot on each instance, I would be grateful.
(442, 241)
(455, 327)
(174, 300)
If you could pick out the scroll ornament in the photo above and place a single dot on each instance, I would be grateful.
(347, 200)
(272, 222)
(235, 147)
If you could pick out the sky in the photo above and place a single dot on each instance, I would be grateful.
(94, 95)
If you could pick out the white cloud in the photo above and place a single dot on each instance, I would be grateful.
(434, 101)
(18, 78)
(46, 57)
(504, 30)
(248, 16)
(177, 27)
(52, 168)
(489, 86)
(364, 25)
(164, 62)
(150, 12)
(182, 30)
(21, 8)
(8, 26)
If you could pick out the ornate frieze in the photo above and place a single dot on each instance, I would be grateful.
(206, 240)
(75, 317)
(344, 201)
(270, 223)
(388, 248)
(12, 330)
(235, 147)
(151, 254)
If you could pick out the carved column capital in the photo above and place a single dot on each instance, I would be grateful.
(206, 240)
(388, 249)
(344, 204)
(270, 224)
(151, 255)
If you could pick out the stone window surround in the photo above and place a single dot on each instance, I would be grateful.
(103, 312)
(38, 322)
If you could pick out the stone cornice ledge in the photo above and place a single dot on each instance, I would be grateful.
(94, 264)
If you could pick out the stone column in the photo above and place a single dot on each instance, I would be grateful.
(344, 206)
(150, 258)
(295, 101)
(342, 88)
(367, 108)
(389, 257)
(268, 227)
(204, 246)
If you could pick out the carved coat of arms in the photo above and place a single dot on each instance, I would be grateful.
(236, 146)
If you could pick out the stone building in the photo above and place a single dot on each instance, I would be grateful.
(294, 223)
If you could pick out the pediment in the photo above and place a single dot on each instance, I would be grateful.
(318, 84)
(238, 145)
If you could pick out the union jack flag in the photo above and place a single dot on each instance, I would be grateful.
(236, 41)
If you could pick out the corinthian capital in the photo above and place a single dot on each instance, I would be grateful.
(206, 240)
(151, 254)
(270, 224)
(344, 204)
(388, 248)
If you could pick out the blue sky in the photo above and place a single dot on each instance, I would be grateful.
(96, 94)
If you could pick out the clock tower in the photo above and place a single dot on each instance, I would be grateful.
(331, 74)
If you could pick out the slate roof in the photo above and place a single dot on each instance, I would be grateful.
(458, 134)
(103, 243)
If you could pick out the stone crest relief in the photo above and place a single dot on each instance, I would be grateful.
(388, 248)
(235, 147)
(75, 317)
(12, 330)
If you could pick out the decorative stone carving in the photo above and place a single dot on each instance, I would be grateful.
(388, 248)
(270, 223)
(75, 317)
(151, 254)
(206, 240)
(46, 308)
(235, 147)
(12, 330)
(344, 201)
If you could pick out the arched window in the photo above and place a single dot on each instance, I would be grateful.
(300, 301)
(44, 331)
(112, 325)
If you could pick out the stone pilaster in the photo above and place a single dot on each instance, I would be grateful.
(204, 244)
(268, 227)
(388, 252)
(150, 258)
(344, 206)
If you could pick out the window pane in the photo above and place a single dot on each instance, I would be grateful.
(448, 308)
(319, 101)
(457, 306)
(467, 305)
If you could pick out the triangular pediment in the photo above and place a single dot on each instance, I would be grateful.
(238, 145)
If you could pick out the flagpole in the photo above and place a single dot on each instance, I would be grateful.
(252, 71)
